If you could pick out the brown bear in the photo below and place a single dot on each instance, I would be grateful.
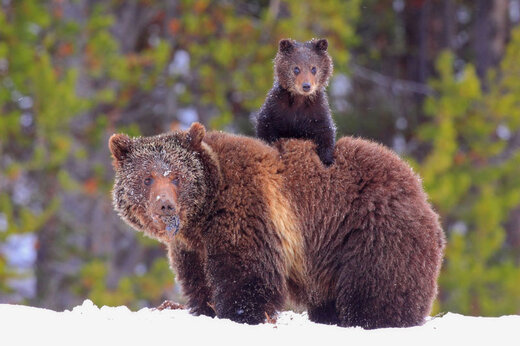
(297, 105)
(248, 225)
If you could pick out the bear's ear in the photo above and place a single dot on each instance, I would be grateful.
(120, 145)
(321, 45)
(285, 46)
(195, 135)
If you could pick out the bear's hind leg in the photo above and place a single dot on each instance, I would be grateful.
(368, 299)
(375, 313)
(324, 313)
(355, 311)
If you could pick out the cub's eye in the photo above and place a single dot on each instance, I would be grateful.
(296, 70)
(148, 181)
(175, 181)
(314, 70)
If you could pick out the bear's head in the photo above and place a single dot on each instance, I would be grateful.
(161, 181)
(303, 68)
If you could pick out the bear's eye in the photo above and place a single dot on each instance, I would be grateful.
(148, 181)
(175, 181)
(296, 70)
(313, 70)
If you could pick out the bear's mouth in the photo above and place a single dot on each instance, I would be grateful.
(169, 224)
(172, 223)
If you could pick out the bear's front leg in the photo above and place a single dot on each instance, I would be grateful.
(265, 130)
(244, 291)
(190, 272)
(325, 145)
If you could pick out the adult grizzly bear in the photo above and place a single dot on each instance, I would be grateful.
(248, 225)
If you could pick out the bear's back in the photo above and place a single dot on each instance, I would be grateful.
(365, 175)
(368, 188)
(242, 157)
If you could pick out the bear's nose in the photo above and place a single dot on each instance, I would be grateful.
(164, 206)
(306, 87)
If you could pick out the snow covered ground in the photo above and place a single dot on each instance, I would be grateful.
(90, 325)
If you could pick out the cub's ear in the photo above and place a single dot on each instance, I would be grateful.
(285, 46)
(120, 145)
(321, 45)
(195, 135)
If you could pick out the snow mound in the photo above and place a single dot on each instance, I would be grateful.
(88, 324)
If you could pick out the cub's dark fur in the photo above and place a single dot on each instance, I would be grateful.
(249, 226)
(297, 105)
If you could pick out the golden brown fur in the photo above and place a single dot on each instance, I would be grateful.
(287, 227)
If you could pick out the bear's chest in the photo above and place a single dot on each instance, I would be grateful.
(300, 122)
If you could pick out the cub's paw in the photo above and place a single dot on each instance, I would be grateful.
(327, 159)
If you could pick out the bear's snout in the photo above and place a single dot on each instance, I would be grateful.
(163, 196)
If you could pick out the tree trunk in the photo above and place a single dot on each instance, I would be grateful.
(491, 32)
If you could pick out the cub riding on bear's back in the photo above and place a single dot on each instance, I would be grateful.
(297, 105)
(248, 226)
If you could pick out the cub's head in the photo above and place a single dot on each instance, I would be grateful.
(160, 183)
(303, 68)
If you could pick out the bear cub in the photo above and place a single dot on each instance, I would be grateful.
(297, 105)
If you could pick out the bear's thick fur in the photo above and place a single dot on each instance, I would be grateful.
(356, 243)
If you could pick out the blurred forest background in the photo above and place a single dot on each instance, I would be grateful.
(437, 81)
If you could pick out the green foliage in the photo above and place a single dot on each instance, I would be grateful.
(129, 290)
(52, 102)
(220, 39)
(472, 179)
(40, 101)
(40, 85)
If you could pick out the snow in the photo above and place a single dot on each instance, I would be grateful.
(88, 324)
